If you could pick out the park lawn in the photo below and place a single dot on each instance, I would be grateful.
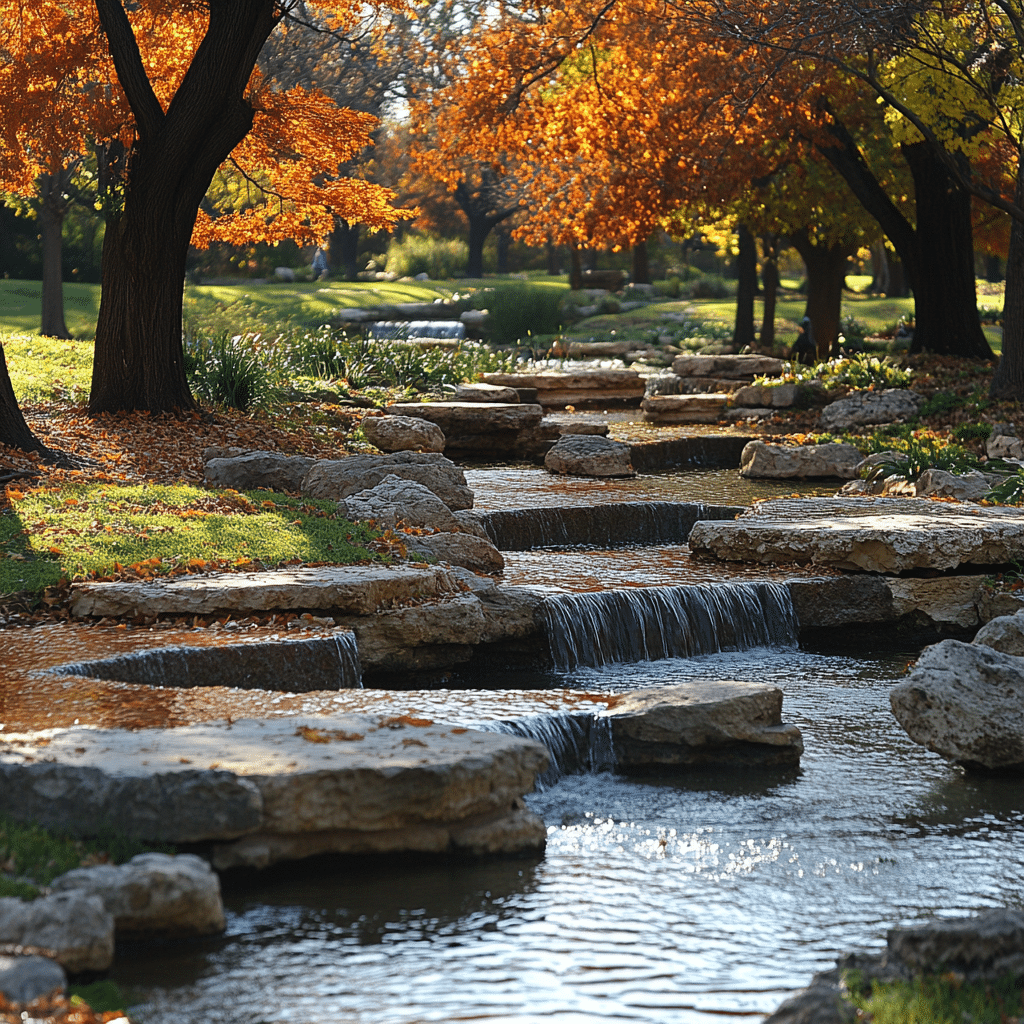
(74, 531)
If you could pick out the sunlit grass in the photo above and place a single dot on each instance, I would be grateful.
(44, 369)
(944, 999)
(68, 532)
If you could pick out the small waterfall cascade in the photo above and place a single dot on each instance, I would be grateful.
(292, 665)
(576, 742)
(617, 524)
(650, 623)
(408, 330)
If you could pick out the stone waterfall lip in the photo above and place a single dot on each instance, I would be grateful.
(886, 535)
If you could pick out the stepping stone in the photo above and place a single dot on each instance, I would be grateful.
(761, 461)
(349, 590)
(477, 426)
(268, 790)
(736, 367)
(708, 408)
(555, 390)
(886, 535)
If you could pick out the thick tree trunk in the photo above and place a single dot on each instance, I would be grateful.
(479, 228)
(504, 238)
(945, 299)
(880, 279)
(641, 264)
(746, 265)
(343, 248)
(993, 268)
(14, 431)
(1008, 381)
(826, 271)
(138, 361)
(770, 285)
(52, 209)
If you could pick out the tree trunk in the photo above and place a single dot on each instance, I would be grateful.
(641, 264)
(552, 256)
(576, 268)
(14, 431)
(138, 361)
(52, 209)
(343, 247)
(746, 265)
(1008, 381)
(770, 284)
(993, 268)
(826, 271)
(945, 299)
(880, 279)
(479, 228)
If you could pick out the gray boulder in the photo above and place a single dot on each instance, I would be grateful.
(154, 894)
(269, 471)
(1005, 633)
(822, 1002)
(786, 461)
(706, 723)
(866, 407)
(338, 478)
(75, 927)
(1004, 446)
(938, 483)
(982, 948)
(589, 455)
(396, 499)
(24, 978)
(402, 434)
(965, 702)
(464, 549)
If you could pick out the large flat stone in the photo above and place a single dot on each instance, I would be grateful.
(356, 782)
(704, 408)
(703, 723)
(471, 417)
(555, 390)
(760, 461)
(737, 367)
(349, 590)
(887, 535)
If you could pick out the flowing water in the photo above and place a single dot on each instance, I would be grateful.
(701, 898)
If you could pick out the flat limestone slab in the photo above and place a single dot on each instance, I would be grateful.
(350, 590)
(722, 723)
(369, 781)
(888, 535)
(471, 417)
(705, 408)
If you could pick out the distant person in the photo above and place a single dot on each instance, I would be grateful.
(804, 349)
(320, 265)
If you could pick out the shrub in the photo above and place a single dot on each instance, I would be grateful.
(519, 311)
(944, 402)
(229, 371)
(1009, 491)
(438, 258)
(852, 329)
(912, 456)
(972, 432)
(859, 372)
(713, 286)
(668, 288)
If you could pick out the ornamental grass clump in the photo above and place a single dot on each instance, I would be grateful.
(910, 456)
(229, 371)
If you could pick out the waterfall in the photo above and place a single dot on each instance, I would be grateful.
(618, 524)
(646, 624)
(576, 742)
(293, 665)
(406, 330)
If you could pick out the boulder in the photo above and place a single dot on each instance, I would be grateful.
(703, 723)
(822, 1002)
(589, 455)
(1005, 446)
(25, 978)
(472, 417)
(74, 927)
(284, 274)
(1004, 633)
(965, 702)
(786, 461)
(950, 602)
(270, 471)
(154, 894)
(402, 434)
(863, 408)
(465, 549)
(987, 947)
(472, 522)
(335, 479)
(348, 589)
(396, 500)
(937, 483)
(702, 408)
(885, 535)
(782, 396)
(492, 393)
(343, 783)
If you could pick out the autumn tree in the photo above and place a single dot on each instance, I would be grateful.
(175, 90)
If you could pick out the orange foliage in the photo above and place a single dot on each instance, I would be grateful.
(68, 97)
